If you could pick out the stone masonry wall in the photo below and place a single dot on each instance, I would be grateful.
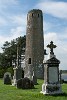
(34, 53)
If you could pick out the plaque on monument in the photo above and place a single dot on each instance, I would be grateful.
(53, 74)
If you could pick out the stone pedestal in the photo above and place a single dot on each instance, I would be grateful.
(51, 83)
(51, 89)
(17, 75)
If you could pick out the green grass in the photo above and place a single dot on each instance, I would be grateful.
(8, 92)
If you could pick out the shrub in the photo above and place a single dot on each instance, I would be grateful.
(10, 69)
(25, 83)
(2, 73)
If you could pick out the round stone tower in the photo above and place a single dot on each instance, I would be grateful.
(34, 53)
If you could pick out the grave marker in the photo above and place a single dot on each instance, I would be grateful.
(7, 78)
(51, 74)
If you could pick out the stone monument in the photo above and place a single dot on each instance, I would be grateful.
(7, 78)
(17, 71)
(51, 74)
(34, 53)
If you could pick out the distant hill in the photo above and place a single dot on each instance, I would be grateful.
(64, 71)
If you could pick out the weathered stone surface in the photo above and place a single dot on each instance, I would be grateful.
(51, 74)
(34, 53)
(25, 83)
(17, 75)
(7, 80)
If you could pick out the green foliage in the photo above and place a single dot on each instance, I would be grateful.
(9, 54)
(10, 69)
(10, 51)
(8, 92)
(2, 73)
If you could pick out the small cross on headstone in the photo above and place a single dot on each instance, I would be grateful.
(51, 46)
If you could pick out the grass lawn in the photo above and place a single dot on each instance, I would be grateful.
(8, 92)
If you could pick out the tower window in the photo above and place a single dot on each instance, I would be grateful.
(32, 14)
(38, 15)
(27, 17)
(29, 61)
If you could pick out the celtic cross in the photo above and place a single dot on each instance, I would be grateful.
(51, 46)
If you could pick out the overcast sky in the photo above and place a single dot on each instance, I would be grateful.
(13, 23)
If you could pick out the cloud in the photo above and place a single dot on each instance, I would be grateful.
(47, 26)
(14, 33)
(17, 28)
(18, 31)
(56, 9)
(50, 37)
(19, 19)
(2, 21)
(6, 6)
(60, 51)
(8, 2)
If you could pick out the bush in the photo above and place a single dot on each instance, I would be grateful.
(25, 83)
(2, 71)
(10, 69)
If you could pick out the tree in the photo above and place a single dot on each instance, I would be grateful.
(10, 53)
